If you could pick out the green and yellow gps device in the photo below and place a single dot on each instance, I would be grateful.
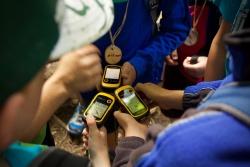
(131, 101)
(100, 107)
(111, 77)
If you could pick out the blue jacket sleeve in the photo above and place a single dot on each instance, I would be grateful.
(174, 28)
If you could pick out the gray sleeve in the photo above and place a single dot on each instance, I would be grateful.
(124, 149)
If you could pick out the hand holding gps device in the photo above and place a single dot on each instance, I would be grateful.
(100, 107)
(111, 76)
(131, 101)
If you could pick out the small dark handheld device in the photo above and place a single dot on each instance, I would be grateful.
(100, 107)
(131, 101)
(111, 77)
(194, 60)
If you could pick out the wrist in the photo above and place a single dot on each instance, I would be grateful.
(173, 99)
(101, 158)
(56, 83)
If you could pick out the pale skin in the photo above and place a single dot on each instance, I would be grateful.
(195, 70)
(97, 143)
(64, 83)
(172, 59)
(95, 140)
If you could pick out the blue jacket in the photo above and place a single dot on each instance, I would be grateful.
(140, 47)
(208, 139)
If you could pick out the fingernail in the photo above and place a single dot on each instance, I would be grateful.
(90, 116)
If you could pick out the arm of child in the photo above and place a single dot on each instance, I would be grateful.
(164, 98)
(77, 71)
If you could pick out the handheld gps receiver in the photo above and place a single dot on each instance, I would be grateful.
(111, 77)
(131, 101)
(100, 107)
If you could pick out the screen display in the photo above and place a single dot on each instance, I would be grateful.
(98, 109)
(132, 101)
(112, 73)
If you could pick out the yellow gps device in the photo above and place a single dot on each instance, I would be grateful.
(100, 107)
(131, 101)
(111, 77)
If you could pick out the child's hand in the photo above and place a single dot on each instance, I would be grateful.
(172, 59)
(95, 140)
(154, 93)
(79, 71)
(196, 70)
(164, 98)
(130, 125)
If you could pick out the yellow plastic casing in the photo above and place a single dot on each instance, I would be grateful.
(117, 91)
(99, 122)
(111, 85)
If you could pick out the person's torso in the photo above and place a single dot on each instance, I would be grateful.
(210, 138)
(137, 30)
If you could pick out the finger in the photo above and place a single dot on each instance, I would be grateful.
(126, 81)
(171, 62)
(191, 66)
(103, 132)
(91, 124)
(186, 62)
(95, 70)
(90, 60)
(85, 146)
(88, 49)
(140, 87)
(85, 132)
(174, 55)
(85, 140)
(125, 70)
(123, 119)
(145, 89)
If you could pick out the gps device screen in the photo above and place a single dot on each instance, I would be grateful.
(99, 106)
(131, 100)
(112, 73)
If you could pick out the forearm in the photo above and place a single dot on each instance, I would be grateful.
(215, 68)
(172, 99)
(50, 101)
(101, 160)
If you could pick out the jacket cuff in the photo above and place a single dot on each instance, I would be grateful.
(140, 66)
(131, 142)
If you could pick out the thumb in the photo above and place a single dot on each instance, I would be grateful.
(139, 87)
(125, 73)
(123, 119)
(125, 69)
(186, 62)
(174, 55)
(91, 124)
(103, 131)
